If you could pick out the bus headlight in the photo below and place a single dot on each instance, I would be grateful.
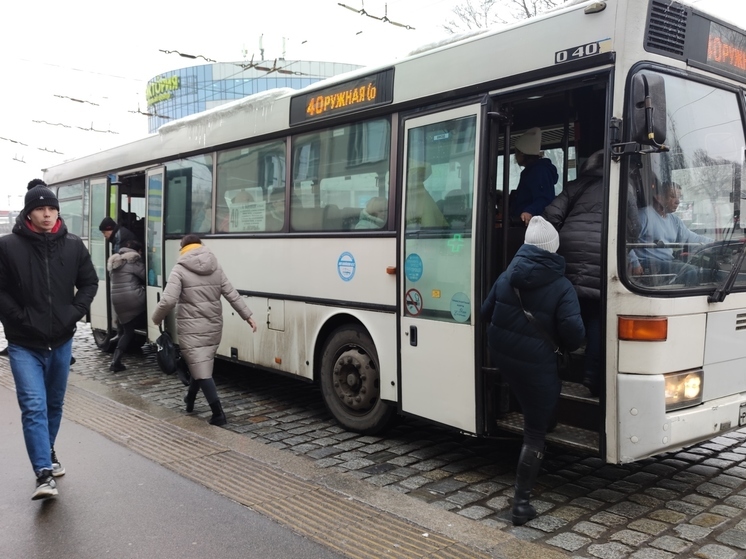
(683, 389)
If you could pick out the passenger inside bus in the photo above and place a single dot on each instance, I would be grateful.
(373, 216)
(536, 186)
(577, 213)
(659, 229)
(422, 210)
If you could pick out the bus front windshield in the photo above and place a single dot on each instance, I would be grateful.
(683, 224)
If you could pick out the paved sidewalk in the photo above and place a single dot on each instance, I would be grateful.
(115, 503)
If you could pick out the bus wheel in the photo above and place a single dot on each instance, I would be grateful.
(350, 381)
(103, 341)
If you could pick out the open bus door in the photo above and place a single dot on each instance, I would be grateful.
(100, 315)
(437, 334)
(155, 179)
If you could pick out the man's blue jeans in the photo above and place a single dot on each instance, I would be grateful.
(41, 382)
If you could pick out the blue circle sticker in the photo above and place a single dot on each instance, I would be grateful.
(346, 266)
(413, 267)
(460, 307)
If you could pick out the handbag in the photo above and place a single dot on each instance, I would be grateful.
(166, 353)
(182, 370)
(563, 357)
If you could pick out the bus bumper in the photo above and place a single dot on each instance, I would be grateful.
(645, 429)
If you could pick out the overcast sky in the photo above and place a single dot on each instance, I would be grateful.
(103, 53)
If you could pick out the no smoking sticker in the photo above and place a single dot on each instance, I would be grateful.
(413, 301)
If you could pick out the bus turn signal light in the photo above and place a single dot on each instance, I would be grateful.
(643, 329)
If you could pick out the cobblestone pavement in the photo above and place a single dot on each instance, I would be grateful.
(687, 504)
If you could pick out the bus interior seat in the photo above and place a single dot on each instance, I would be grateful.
(340, 219)
(454, 208)
(307, 219)
(332, 218)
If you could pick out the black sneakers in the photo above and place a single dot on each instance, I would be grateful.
(46, 487)
(57, 468)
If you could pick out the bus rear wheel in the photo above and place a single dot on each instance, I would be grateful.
(350, 381)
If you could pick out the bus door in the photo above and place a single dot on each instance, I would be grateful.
(100, 316)
(437, 259)
(154, 243)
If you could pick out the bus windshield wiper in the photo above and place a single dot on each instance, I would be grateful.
(718, 296)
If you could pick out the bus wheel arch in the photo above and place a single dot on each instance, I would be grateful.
(349, 375)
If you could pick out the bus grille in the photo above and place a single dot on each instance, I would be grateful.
(666, 28)
(741, 321)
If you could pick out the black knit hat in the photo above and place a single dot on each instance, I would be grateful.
(40, 196)
(107, 224)
(35, 182)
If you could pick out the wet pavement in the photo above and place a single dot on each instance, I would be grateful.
(687, 504)
(115, 503)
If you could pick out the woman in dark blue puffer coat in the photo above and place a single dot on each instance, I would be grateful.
(526, 359)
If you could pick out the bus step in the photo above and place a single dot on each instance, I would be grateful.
(563, 435)
(577, 392)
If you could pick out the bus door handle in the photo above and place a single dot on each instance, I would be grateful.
(413, 335)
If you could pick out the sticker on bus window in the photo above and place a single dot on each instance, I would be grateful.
(346, 266)
(413, 302)
(460, 307)
(413, 267)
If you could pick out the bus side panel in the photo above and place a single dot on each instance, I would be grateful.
(725, 354)
(349, 270)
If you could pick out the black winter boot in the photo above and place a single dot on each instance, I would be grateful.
(218, 416)
(191, 395)
(116, 361)
(529, 464)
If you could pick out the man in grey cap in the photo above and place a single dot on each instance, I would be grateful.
(47, 283)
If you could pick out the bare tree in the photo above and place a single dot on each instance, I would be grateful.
(473, 15)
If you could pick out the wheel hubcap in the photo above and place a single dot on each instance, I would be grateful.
(355, 380)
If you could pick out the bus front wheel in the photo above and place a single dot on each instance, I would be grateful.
(350, 381)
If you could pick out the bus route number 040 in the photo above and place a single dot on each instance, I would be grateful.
(574, 53)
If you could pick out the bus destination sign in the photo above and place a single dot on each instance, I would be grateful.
(355, 95)
(726, 49)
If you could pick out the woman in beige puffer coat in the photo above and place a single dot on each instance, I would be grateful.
(196, 283)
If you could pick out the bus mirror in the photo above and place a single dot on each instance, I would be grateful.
(649, 110)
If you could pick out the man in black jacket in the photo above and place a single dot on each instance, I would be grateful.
(578, 215)
(41, 265)
(115, 234)
(31, 184)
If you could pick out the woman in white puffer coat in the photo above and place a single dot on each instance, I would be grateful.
(196, 283)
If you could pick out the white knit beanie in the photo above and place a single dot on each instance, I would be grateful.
(530, 142)
(542, 234)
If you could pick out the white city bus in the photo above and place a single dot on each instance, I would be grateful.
(364, 219)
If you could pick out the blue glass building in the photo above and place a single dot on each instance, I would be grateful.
(187, 91)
